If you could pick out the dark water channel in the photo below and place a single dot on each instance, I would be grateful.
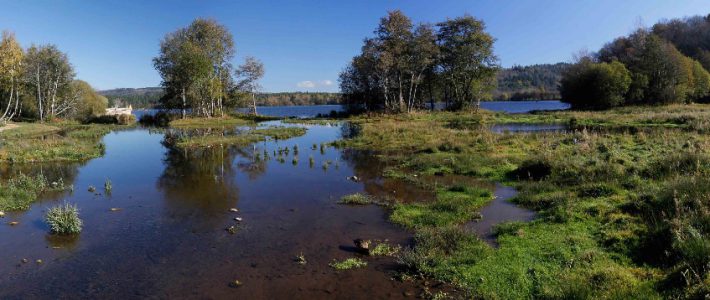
(161, 232)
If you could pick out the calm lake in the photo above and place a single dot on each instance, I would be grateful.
(313, 110)
(161, 232)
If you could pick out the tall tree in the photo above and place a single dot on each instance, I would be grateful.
(48, 75)
(249, 74)
(194, 63)
(467, 61)
(11, 56)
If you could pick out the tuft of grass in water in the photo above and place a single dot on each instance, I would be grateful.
(311, 162)
(22, 190)
(347, 264)
(301, 259)
(107, 186)
(384, 249)
(357, 199)
(64, 219)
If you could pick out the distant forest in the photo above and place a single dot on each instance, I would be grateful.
(517, 83)
(535, 82)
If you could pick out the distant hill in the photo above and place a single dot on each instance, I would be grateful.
(139, 98)
(150, 97)
(535, 82)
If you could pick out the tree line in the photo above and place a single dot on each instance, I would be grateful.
(38, 83)
(404, 67)
(534, 82)
(667, 63)
(195, 64)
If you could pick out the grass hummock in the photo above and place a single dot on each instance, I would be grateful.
(64, 219)
(357, 199)
(22, 190)
(347, 264)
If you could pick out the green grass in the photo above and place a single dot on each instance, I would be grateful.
(64, 219)
(356, 199)
(52, 142)
(622, 213)
(22, 190)
(384, 249)
(210, 122)
(455, 205)
(347, 264)
(216, 138)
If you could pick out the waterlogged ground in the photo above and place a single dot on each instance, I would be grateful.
(161, 231)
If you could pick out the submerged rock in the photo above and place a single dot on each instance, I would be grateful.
(236, 284)
(232, 229)
(353, 178)
(116, 209)
(13, 223)
(2, 214)
(238, 219)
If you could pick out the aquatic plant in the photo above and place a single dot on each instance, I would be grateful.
(22, 190)
(357, 198)
(384, 249)
(107, 186)
(301, 259)
(347, 264)
(311, 162)
(64, 219)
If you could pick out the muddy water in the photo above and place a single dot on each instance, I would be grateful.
(161, 232)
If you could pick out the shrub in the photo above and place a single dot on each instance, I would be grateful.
(64, 219)
(533, 169)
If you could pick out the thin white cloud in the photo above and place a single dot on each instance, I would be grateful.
(306, 84)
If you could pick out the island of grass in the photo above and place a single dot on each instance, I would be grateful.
(52, 142)
(214, 122)
(233, 138)
(622, 213)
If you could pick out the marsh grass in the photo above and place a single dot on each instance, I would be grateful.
(64, 219)
(215, 138)
(347, 264)
(621, 213)
(61, 141)
(356, 199)
(22, 190)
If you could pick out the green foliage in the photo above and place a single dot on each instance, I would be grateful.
(64, 219)
(588, 85)
(384, 249)
(535, 82)
(347, 264)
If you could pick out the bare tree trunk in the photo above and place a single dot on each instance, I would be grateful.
(39, 98)
(9, 102)
(253, 100)
(184, 102)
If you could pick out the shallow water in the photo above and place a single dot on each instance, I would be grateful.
(161, 231)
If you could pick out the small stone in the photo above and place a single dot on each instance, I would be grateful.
(39, 261)
(409, 294)
(233, 210)
(232, 229)
(13, 223)
(115, 209)
(24, 260)
(92, 189)
(362, 246)
(2, 214)
(238, 219)
(236, 283)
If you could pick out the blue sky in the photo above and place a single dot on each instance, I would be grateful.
(305, 44)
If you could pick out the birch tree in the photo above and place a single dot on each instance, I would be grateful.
(248, 75)
(11, 56)
(48, 76)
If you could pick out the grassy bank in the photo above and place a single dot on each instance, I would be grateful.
(21, 191)
(623, 213)
(65, 141)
